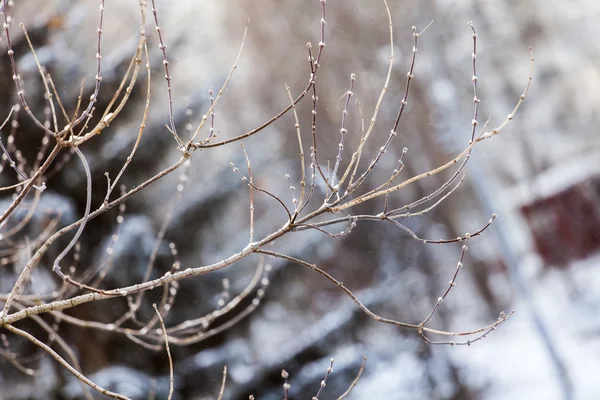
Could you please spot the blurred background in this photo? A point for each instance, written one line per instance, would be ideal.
(541, 175)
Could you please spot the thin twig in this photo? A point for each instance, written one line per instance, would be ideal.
(252, 185)
(216, 100)
(324, 381)
(140, 131)
(222, 391)
(301, 148)
(286, 385)
(343, 131)
(164, 329)
(163, 48)
(44, 79)
(251, 190)
(355, 381)
(64, 363)
(88, 202)
(12, 163)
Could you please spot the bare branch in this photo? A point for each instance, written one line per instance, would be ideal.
(164, 329)
(64, 363)
(222, 391)
(355, 381)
